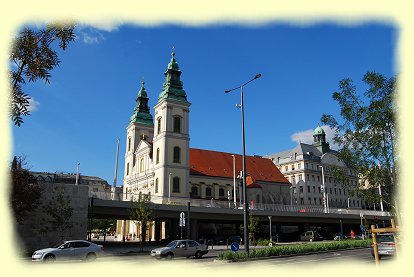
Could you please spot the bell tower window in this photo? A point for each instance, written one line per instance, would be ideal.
(158, 125)
(176, 157)
(177, 124)
(176, 185)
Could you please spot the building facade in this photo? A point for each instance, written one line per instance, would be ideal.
(304, 166)
(159, 161)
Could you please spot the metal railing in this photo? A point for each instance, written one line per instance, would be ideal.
(182, 201)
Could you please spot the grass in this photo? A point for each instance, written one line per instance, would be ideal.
(283, 250)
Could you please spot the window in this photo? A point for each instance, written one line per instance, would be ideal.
(306, 165)
(307, 177)
(301, 201)
(313, 177)
(158, 125)
(192, 243)
(300, 189)
(176, 185)
(194, 191)
(257, 198)
(300, 177)
(308, 189)
(176, 158)
(319, 189)
(127, 169)
(320, 201)
(129, 144)
(314, 189)
(293, 167)
(157, 156)
(299, 165)
(208, 192)
(156, 185)
(340, 192)
(335, 191)
(319, 179)
(177, 124)
(330, 190)
(314, 200)
(286, 168)
(312, 166)
(141, 165)
(221, 192)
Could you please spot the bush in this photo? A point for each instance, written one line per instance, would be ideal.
(294, 249)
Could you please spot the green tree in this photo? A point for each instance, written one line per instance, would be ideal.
(58, 212)
(367, 136)
(33, 58)
(141, 214)
(26, 193)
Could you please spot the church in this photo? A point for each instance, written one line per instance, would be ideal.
(159, 161)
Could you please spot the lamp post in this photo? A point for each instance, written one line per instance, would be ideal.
(77, 174)
(234, 182)
(270, 219)
(169, 187)
(380, 194)
(323, 191)
(245, 202)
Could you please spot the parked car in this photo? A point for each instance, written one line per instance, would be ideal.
(386, 245)
(180, 248)
(69, 250)
(232, 239)
(310, 236)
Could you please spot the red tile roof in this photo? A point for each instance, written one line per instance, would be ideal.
(220, 164)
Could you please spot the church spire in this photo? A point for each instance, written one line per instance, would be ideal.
(173, 87)
(142, 112)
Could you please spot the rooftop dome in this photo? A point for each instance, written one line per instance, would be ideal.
(319, 131)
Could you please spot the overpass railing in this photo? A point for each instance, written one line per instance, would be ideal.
(225, 204)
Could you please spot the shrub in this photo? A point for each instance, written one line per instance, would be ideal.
(294, 249)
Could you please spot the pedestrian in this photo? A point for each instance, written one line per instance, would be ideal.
(352, 234)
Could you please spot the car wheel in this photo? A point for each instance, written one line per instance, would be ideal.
(90, 257)
(169, 256)
(198, 255)
(49, 258)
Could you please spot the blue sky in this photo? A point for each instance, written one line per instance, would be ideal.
(87, 106)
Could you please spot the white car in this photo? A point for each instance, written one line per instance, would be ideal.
(69, 250)
(180, 248)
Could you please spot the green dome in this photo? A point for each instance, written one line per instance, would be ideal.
(319, 131)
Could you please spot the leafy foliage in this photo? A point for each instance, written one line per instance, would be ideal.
(141, 213)
(367, 136)
(59, 212)
(26, 193)
(283, 250)
(33, 56)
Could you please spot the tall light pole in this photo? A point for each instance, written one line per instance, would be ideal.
(234, 182)
(270, 219)
(169, 187)
(77, 174)
(323, 189)
(245, 202)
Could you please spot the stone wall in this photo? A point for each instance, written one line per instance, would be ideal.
(35, 233)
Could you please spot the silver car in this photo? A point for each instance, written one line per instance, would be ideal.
(386, 245)
(180, 248)
(69, 250)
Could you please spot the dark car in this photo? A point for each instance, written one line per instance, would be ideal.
(232, 239)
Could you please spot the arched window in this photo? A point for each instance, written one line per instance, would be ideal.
(158, 125)
(127, 169)
(156, 185)
(208, 192)
(141, 165)
(157, 156)
(221, 192)
(129, 144)
(176, 185)
(257, 198)
(194, 191)
(177, 124)
(177, 152)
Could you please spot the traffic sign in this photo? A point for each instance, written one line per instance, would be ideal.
(182, 219)
(362, 228)
(235, 247)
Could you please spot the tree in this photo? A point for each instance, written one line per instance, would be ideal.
(367, 136)
(33, 58)
(59, 212)
(141, 213)
(26, 193)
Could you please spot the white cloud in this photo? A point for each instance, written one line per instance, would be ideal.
(33, 104)
(94, 33)
(307, 136)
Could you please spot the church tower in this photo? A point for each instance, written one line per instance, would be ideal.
(171, 137)
(141, 126)
(319, 140)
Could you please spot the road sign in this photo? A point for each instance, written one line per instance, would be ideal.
(182, 219)
(362, 228)
(235, 247)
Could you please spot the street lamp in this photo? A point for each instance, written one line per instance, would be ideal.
(270, 219)
(234, 182)
(169, 187)
(245, 203)
(323, 189)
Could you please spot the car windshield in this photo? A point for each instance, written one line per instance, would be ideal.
(385, 239)
(173, 243)
(59, 244)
